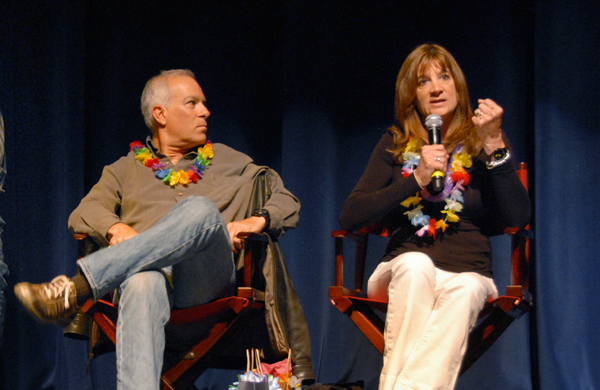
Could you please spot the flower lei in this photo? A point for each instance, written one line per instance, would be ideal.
(143, 155)
(454, 183)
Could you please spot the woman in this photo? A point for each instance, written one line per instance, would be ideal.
(436, 271)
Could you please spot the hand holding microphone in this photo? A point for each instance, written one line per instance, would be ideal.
(433, 123)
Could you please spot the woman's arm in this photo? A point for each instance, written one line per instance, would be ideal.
(511, 197)
(379, 191)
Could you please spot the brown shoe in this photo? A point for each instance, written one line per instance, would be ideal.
(54, 302)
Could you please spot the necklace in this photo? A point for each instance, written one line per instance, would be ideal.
(197, 167)
(454, 184)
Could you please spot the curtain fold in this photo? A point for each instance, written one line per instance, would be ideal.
(567, 138)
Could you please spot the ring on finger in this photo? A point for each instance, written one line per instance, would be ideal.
(478, 113)
(438, 159)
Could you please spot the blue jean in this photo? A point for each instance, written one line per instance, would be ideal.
(194, 240)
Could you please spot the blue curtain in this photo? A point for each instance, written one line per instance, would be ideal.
(307, 88)
(566, 142)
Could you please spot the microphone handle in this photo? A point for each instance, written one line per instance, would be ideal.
(437, 182)
(437, 177)
(434, 135)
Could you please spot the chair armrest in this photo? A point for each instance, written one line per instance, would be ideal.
(253, 236)
(520, 238)
(523, 232)
(347, 234)
(361, 240)
(253, 252)
(85, 244)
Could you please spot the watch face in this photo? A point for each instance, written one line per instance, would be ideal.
(499, 154)
(260, 213)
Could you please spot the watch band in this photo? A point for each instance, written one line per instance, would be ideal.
(265, 214)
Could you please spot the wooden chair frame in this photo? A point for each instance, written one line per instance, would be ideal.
(496, 316)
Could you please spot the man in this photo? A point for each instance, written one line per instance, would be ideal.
(170, 212)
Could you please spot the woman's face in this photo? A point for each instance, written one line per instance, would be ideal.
(436, 93)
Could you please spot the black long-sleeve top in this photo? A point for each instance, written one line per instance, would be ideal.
(494, 199)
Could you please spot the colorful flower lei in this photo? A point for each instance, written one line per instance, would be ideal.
(454, 183)
(143, 155)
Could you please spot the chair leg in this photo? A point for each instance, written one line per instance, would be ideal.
(185, 373)
(365, 319)
(484, 335)
(190, 387)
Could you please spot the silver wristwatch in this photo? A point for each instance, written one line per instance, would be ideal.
(498, 157)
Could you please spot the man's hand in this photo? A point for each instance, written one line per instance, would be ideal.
(248, 225)
(120, 232)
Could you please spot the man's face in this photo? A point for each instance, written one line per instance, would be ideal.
(186, 113)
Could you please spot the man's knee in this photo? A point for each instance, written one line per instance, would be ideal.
(200, 208)
(147, 286)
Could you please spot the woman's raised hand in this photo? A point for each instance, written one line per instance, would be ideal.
(487, 121)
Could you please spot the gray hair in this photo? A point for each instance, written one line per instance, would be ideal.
(156, 92)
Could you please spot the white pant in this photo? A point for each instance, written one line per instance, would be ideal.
(430, 314)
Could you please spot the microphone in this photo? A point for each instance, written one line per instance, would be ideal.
(433, 123)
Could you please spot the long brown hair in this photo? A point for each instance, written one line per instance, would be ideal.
(409, 121)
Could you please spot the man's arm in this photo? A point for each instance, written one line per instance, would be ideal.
(283, 208)
(97, 212)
